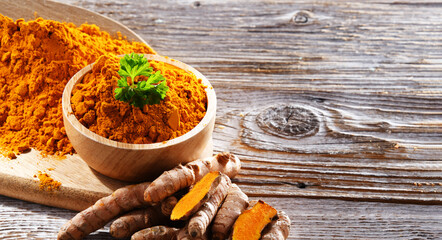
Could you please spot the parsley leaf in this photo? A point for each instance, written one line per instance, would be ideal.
(139, 93)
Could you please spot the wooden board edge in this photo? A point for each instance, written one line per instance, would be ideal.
(64, 197)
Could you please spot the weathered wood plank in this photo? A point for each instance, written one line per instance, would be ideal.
(311, 219)
(369, 71)
(341, 41)
(369, 139)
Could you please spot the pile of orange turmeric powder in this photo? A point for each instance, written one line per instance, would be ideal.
(37, 59)
(94, 104)
(47, 182)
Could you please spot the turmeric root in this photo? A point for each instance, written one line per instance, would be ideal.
(278, 229)
(134, 221)
(199, 222)
(104, 210)
(183, 234)
(196, 197)
(168, 204)
(251, 222)
(236, 201)
(156, 233)
(184, 176)
(168, 183)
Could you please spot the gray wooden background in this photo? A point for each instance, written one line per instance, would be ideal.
(334, 108)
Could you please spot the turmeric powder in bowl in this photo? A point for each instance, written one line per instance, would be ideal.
(136, 142)
(94, 105)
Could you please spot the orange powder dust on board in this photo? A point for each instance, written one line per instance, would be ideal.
(37, 59)
(47, 182)
(95, 106)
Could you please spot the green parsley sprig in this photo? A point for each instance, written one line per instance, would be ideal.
(139, 93)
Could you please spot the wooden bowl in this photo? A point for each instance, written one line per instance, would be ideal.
(139, 162)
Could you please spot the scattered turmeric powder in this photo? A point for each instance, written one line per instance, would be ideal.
(94, 104)
(47, 182)
(11, 155)
(37, 59)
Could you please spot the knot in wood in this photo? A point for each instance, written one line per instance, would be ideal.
(301, 17)
(288, 121)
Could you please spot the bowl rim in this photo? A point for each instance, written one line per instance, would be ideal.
(210, 111)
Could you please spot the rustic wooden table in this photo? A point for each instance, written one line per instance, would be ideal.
(334, 107)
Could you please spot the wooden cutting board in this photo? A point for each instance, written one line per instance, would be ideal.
(81, 186)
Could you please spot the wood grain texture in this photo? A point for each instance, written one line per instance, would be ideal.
(310, 219)
(369, 73)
